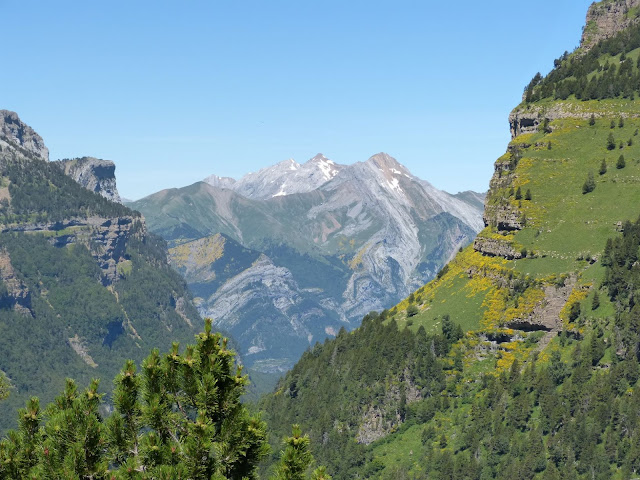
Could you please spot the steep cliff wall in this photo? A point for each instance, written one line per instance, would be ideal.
(93, 174)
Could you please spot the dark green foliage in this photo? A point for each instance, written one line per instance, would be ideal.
(621, 122)
(442, 271)
(592, 120)
(180, 417)
(603, 167)
(527, 195)
(518, 194)
(595, 303)
(611, 142)
(589, 184)
(612, 125)
(68, 300)
(40, 191)
(621, 162)
(584, 77)
(412, 311)
(334, 383)
(296, 459)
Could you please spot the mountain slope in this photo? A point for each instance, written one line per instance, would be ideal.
(336, 242)
(532, 331)
(83, 285)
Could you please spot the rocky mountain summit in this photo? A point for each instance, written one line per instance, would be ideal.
(305, 249)
(13, 130)
(93, 174)
(607, 18)
(285, 178)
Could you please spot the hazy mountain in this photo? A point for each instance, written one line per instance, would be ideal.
(335, 242)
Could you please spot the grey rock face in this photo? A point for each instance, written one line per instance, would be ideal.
(496, 248)
(605, 19)
(13, 292)
(105, 237)
(220, 182)
(339, 242)
(14, 130)
(93, 174)
(285, 178)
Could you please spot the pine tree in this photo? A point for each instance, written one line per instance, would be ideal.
(296, 459)
(180, 417)
(592, 120)
(603, 167)
(611, 142)
(589, 184)
(621, 122)
(527, 195)
(620, 163)
(518, 194)
(595, 303)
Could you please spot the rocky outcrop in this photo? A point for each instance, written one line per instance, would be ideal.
(607, 18)
(106, 238)
(378, 421)
(13, 292)
(496, 248)
(527, 119)
(546, 314)
(15, 131)
(504, 217)
(93, 174)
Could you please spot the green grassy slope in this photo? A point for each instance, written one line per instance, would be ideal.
(542, 381)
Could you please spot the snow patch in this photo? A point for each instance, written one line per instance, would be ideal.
(326, 167)
(394, 184)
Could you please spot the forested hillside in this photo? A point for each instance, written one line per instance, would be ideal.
(538, 377)
(83, 285)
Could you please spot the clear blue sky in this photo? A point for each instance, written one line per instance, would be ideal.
(173, 91)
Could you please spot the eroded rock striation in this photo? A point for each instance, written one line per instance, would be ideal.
(605, 19)
(93, 174)
(21, 134)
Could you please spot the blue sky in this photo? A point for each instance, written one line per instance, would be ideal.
(173, 91)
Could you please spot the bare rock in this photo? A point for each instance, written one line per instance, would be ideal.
(18, 132)
(93, 174)
(546, 314)
(607, 18)
(496, 248)
(13, 291)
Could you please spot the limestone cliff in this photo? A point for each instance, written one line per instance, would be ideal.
(605, 19)
(14, 130)
(93, 174)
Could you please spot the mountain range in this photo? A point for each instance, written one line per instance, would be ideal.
(289, 255)
(520, 360)
(83, 284)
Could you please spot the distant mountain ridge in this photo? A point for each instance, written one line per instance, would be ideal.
(328, 242)
(83, 284)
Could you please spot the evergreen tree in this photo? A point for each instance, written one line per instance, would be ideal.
(595, 303)
(621, 122)
(612, 125)
(603, 167)
(589, 184)
(592, 120)
(620, 163)
(181, 417)
(611, 142)
(518, 193)
(527, 195)
(296, 459)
